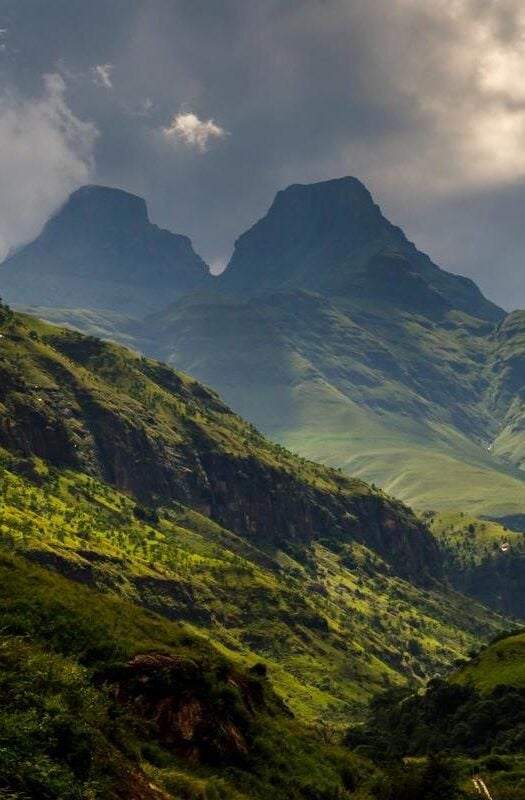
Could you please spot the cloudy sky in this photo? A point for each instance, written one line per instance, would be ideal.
(207, 107)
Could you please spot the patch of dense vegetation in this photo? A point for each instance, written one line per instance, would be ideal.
(476, 717)
(100, 699)
(434, 779)
(449, 716)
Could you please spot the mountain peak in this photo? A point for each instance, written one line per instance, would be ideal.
(332, 238)
(100, 250)
(93, 209)
(308, 229)
(347, 187)
(93, 196)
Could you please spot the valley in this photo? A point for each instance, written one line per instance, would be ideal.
(211, 596)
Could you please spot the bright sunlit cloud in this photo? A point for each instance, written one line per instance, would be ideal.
(187, 128)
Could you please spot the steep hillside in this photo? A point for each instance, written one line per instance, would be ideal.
(121, 473)
(483, 559)
(476, 716)
(77, 402)
(104, 701)
(101, 251)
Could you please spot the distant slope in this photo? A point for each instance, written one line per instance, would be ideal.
(390, 396)
(119, 472)
(101, 251)
(507, 395)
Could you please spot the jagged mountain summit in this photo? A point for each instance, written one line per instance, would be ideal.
(331, 238)
(100, 250)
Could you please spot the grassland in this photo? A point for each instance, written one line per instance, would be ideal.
(501, 664)
(407, 402)
(332, 627)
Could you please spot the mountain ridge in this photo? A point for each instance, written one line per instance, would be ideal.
(380, 370)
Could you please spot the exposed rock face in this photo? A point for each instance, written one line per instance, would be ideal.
(101, 251)
(32, 427)
(198, 713)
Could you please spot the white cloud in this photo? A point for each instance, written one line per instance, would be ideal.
(457, 67)
(101, 75)
(186, 127)
(45, 153)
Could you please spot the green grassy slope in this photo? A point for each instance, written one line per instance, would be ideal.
(390, 396)
(77, 402)
(102, 700)
(332, 625)
(119, 472)
(500, 664)
(507, 393)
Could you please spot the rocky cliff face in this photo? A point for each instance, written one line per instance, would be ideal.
(199, 711)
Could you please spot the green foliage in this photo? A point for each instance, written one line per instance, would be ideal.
(503, 662)
(67, 734)
(299, 567)
(435, 779)
(52, 725)
(328, 630)
(448, 717)
(477, 716)
(483, 559)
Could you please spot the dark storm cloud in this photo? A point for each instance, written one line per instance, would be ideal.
(423, 101)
